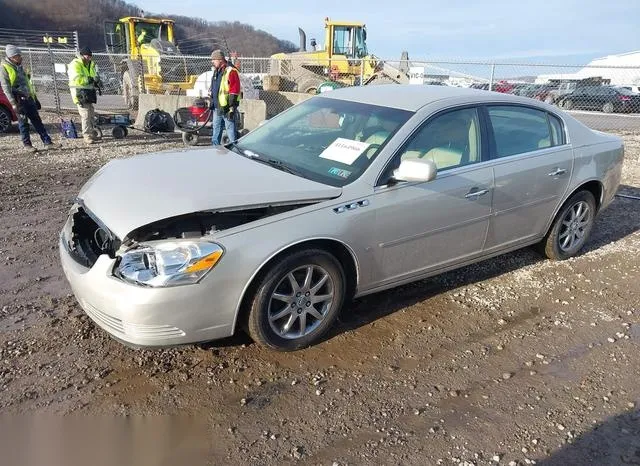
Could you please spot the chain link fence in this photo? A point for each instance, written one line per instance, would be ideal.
(606, 97)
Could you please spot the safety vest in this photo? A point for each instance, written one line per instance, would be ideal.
(79, 75)
(223, 93)
(13, 77)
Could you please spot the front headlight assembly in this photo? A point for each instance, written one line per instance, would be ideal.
(170, 263)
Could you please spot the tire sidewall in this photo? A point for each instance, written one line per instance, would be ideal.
(259, 327)
(7, 114)
(552, 246)
(190, 139)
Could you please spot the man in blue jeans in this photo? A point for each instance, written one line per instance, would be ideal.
(225, 98)
(18, 88)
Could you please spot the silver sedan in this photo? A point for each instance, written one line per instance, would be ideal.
(346, 194)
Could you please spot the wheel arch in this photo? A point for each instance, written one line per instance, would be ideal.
(595, 187)
(9, 112)
(340, 250)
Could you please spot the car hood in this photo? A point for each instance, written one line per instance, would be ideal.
(130, 193)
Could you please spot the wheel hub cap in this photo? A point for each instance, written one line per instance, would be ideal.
(300, 301)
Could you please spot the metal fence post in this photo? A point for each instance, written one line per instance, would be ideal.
(56, 93)
(493, 72)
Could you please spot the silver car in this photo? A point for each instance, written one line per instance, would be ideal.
(346, 194)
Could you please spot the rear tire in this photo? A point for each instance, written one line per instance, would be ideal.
(119, 132)
(571, 227)
(297, 300)
(567, 104)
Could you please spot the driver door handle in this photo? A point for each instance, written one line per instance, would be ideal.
(476, 194)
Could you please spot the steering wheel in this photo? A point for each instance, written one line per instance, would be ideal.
(371, 150)
(363, 159)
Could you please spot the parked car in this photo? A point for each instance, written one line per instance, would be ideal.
(608, 99)
(7, 115)
(553, 96)
(541, 92)
(518, 88)
(346, 194)
(503, 87)
(524, 89)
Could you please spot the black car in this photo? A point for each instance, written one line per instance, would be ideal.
(608, 99)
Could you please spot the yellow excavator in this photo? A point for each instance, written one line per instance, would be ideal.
(344, 59)
(144, 53)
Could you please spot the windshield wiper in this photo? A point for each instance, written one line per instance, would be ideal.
(271, 162)
(279, 165)
(234, 147)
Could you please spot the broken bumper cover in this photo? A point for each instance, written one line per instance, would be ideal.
(145, 316)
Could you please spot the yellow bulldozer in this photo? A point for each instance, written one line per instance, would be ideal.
(343, 59)
(144, 53)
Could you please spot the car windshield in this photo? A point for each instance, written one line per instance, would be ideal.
(327, 140)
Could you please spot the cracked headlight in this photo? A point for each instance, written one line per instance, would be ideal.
(168, 263)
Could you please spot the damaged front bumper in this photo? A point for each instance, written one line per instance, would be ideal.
(137, 315)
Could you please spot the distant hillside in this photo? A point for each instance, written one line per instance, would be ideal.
(194, 35)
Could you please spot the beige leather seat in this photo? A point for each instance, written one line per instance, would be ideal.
(444, 157)
(379, 137)
(544, 143)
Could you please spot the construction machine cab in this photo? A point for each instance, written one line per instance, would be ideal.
(346, 38)
(138, 36)
(143, 51)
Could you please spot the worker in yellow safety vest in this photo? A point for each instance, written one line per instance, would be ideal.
(21, 94)
(84, 81)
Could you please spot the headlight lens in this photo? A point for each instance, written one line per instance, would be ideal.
(169, 263)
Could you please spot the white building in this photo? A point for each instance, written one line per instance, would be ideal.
(622, 69)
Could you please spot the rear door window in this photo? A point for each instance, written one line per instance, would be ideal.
(517, 130)
(557, 131)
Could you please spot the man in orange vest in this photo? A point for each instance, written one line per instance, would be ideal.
(225, 97)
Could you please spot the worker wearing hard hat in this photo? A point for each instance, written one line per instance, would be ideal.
(225, 97)
(19, 90)
(83, 83)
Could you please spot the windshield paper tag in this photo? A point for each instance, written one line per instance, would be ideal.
(339, 172)
(344, 150)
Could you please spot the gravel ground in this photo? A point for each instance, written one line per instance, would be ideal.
(512, 361)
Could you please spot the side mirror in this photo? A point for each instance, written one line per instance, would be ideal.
(415, 170)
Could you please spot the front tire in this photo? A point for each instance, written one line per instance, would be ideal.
(571, 227)
(5, 120)
(608, 107)
(297, 300)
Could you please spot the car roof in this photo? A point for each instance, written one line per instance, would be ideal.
(412, 97)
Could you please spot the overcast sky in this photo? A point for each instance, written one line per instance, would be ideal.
(556, 31)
